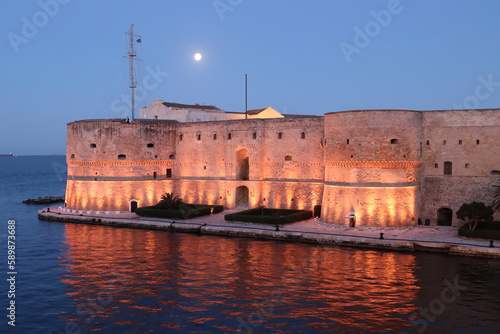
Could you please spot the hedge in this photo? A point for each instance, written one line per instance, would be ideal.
(185, 211)
(484, 230)
(269, 216)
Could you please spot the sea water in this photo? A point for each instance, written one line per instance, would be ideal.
(76, 278)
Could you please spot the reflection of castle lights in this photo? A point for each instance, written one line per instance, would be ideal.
(145, 266)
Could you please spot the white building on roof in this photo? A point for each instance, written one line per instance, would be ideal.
(186, 113)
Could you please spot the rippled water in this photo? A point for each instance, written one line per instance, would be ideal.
(81, 278)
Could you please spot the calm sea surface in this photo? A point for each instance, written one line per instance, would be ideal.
(81, 279)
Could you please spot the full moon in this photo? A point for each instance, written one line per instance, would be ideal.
(197, 56)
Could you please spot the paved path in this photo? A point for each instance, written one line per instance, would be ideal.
(430, 238)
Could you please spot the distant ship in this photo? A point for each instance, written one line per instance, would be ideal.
(6, 155)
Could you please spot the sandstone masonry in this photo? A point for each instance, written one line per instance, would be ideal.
(380, 168)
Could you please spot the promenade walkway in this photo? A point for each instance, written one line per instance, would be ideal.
(419, 238)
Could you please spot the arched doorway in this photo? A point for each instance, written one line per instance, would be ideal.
(242, 165)
(444, 217)
(133, 206)
(241, 201)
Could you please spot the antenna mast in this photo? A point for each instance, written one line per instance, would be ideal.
(131, 55)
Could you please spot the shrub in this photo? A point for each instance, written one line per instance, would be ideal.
(269, 216)
(184, 211)
(474, 213)
(484, 230)
(169, 201)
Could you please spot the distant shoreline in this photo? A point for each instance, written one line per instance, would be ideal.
(34, 155)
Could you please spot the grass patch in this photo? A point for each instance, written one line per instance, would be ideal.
(484, 230)
(269, 216)
(185, 211)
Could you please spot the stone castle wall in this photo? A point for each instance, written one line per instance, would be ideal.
(371, 167)
(385, 168)
(470, 141)
(112, 163)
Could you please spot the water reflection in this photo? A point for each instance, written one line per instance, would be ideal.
(133, 281)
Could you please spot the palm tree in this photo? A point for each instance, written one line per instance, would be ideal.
(169, 202)
(496, 199)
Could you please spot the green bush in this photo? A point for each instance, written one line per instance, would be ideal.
(484, 230)
(185, 211)
(269, 216)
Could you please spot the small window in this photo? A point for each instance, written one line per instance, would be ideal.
(347, 141)
(436, 166)
(448, 168)
(204, 167)
(156, 116)
(288, 158)
(477, 142)
(495, 173)
(214, 137)
(467, 165)
(198, 136)
(302, 135)
(92, 145)
(171, 156)
(460, 142)
(180, 137)
(229, 136)
(122, 157)
(280, 135)
(352, 156)
(155, 175)
(444, 142)
(394, 141)
(169, 172)
(254, 136)
(72, 156)
(151, 145)
(427, 142)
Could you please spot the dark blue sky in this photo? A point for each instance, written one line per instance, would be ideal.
(64, 62)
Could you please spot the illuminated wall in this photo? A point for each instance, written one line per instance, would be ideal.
(112, 163)
(385, 167)
(371, 167)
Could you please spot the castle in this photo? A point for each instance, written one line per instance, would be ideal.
(379, 168)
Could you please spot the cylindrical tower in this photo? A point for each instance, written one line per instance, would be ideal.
(372, 163)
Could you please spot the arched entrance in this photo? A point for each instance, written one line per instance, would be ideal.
(241, 201)
(242, 165)
(133, 206)
(444, 217)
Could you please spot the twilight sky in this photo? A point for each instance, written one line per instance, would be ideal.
(62, 60)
